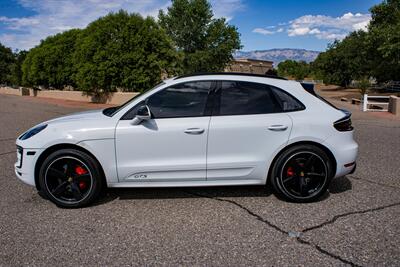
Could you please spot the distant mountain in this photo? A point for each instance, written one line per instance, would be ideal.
(278, 55)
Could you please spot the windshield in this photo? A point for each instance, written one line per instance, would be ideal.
(113, 110)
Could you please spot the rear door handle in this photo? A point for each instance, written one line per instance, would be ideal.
(194, 131)
(277, 128)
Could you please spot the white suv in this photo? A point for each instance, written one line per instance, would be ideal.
(200, 130)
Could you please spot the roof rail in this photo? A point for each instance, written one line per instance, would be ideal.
(231, 73)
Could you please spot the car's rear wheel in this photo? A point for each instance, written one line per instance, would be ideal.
(71, 178)
(302, 173)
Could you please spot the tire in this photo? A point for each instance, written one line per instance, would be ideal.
(302, 173)
(71, 178)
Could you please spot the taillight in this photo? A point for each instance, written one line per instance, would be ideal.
(344, 124)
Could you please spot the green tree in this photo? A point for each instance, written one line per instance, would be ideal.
(272, 72)
(361, 55)
(124, 51)
(6, 60)
(343, 61)
(383, 41)
(50, 63)
(292, 68)
(207, 43)
(363, 85)
(16, 68)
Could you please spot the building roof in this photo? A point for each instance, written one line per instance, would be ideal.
(252, 60)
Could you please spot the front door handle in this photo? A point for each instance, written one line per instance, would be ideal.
(194, 131)
(277, 128)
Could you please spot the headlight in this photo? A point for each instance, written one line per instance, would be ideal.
(32, 132)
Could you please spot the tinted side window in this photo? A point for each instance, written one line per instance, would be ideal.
(244, 98)
(286, 101)
(181, 100)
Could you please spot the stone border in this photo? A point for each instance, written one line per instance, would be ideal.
(13, 91)
(116, 98)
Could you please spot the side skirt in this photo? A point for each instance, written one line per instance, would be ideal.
(188, 183)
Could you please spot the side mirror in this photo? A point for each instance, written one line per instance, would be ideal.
(142, 114)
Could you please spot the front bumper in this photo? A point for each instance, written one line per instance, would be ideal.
(25, 167)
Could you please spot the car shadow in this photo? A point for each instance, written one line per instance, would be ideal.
(184, 192)
(337, 186)
(340, 185)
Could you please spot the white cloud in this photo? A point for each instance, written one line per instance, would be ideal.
(314, 31)
(320, 26)
(56, 16)
(361, 26)
(268, 30)
(263, 31)
(226, 8)
(327, 27)
(18, 23)
(298, 31)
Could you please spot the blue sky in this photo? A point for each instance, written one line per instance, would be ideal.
(263, 24)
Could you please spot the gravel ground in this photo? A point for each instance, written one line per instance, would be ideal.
(357, 223)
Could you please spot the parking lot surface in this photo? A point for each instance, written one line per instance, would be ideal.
(357, 223)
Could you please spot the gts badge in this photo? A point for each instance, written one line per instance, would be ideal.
(140, 176)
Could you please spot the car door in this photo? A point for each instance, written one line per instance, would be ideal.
(172, 145)
(246, 129)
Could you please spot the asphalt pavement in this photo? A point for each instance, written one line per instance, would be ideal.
(357, 223)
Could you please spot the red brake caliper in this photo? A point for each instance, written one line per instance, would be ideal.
(290, 171)
(79, 171)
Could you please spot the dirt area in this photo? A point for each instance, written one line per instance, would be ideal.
(337, 92)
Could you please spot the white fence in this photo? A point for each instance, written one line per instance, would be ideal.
(393, 86)
(370, 105)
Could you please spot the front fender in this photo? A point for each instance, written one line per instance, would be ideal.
(71, 132)
(104, 151)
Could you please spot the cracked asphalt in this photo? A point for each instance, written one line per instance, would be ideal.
(357, 223)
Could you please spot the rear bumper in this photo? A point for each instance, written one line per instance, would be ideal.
(345, 151)
(354, 169)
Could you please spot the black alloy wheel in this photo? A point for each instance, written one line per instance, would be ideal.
(70, 178)
(302, 173)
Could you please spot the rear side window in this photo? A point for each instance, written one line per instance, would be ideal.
(309, 87)
(286, 101)
(181, 100)
(245, 98)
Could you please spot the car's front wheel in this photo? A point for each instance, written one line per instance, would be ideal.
(302, 173)
(71, 178)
